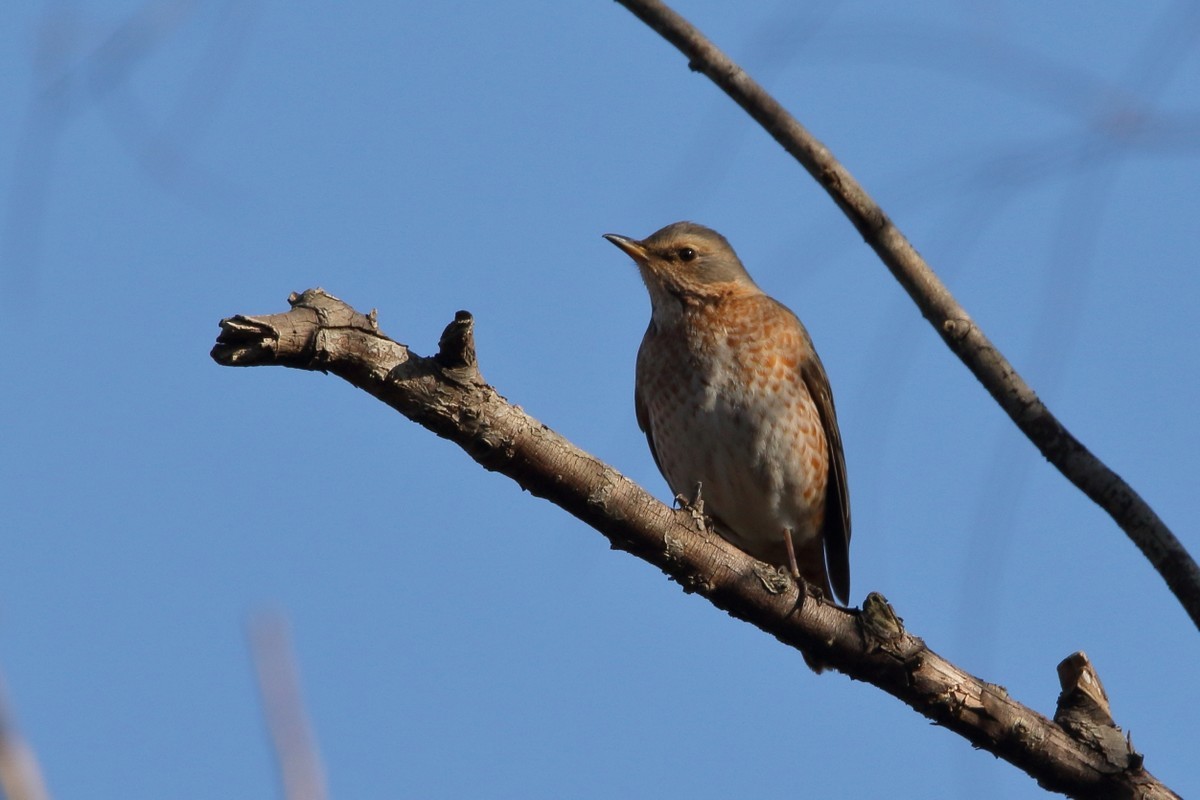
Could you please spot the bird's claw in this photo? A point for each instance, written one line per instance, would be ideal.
(694, 506)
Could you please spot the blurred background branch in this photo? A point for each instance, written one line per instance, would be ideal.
(20, 775)
(292, 738)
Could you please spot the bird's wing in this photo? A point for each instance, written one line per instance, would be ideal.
(643, 416)
(836, 528)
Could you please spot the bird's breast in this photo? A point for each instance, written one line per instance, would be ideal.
(725, 406)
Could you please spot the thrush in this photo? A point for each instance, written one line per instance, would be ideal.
(736, 407)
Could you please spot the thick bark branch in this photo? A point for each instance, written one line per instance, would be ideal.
(949, 319)
(447, 394)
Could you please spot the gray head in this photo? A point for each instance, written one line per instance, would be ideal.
(687, 260)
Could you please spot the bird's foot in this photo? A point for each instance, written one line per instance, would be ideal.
(793, 567)
(695, 507)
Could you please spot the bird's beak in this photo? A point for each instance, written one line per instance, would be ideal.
(632, 247)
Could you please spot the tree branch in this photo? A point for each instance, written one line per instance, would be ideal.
(949, 319)
(20, 774)
(447, 394)
(301, 773)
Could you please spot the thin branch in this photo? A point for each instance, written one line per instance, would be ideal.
(447, 394)
(949, 319)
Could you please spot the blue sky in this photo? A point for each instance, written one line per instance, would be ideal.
(167, 164)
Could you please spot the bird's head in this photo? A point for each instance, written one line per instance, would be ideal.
(686, 261)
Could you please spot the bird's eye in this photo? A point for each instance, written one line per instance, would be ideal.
(687, 254)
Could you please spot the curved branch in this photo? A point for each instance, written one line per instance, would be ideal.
(1133, 514)
(447, 394)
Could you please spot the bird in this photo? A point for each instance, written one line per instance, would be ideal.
(737, 408)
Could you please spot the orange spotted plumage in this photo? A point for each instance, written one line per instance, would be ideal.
(732, 397)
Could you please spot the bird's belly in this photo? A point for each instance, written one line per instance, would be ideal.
(758, 456)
